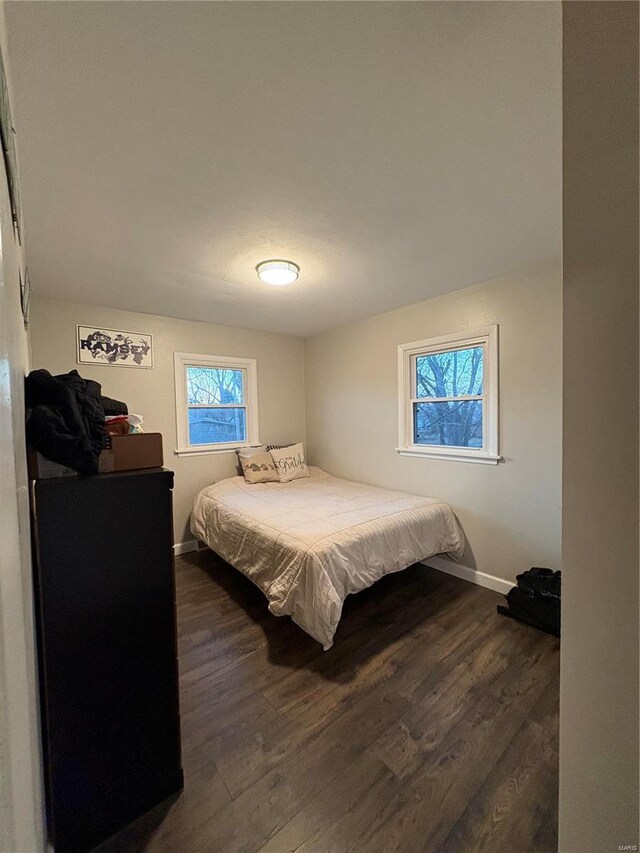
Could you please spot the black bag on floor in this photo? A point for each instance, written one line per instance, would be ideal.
(536, 600)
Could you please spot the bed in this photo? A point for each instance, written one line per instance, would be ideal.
(310, 543)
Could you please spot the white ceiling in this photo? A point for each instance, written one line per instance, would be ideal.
(394, 150)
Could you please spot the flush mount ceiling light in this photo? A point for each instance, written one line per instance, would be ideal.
(278, 272)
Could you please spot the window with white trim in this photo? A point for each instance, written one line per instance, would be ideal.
(448, 397)
(216, 403)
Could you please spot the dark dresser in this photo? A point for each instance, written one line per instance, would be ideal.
(105, 613)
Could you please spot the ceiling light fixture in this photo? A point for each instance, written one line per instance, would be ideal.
(278, 272)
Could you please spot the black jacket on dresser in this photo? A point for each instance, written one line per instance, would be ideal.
(66, 420)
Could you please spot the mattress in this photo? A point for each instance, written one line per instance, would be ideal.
(310, 543)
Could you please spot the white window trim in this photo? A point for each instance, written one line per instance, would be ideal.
(182, 360)
(487, 455)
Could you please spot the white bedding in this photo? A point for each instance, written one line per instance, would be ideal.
(309, 543)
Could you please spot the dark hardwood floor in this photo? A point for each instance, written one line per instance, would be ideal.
(431, 725)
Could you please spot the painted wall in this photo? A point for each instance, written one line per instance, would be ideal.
(510, 512)
(599, 670)
(21, 801)
(151, 392)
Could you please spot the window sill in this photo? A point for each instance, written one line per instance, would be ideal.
(208, 450)
(451, 455)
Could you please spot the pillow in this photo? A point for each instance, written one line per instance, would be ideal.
(290, 463)
(277, 446)
(251, 451)
(258, 468)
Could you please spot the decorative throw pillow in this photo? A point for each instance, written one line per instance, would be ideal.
(277, 446)
(258, 468)
(290, 463)
(251, 451)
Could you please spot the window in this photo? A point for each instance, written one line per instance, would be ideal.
(216, 403)
(448, 397)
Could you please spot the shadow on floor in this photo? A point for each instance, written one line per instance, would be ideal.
(135, 837)
(382, 614)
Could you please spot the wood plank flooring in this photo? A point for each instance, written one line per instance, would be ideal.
(431, 725)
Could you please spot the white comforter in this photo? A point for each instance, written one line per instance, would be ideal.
(309, 543)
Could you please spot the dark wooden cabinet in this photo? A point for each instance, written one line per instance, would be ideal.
(105, 611)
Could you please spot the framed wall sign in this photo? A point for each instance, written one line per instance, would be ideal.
(97, 345)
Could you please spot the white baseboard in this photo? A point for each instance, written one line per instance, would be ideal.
(185, 547)
(444, 564)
